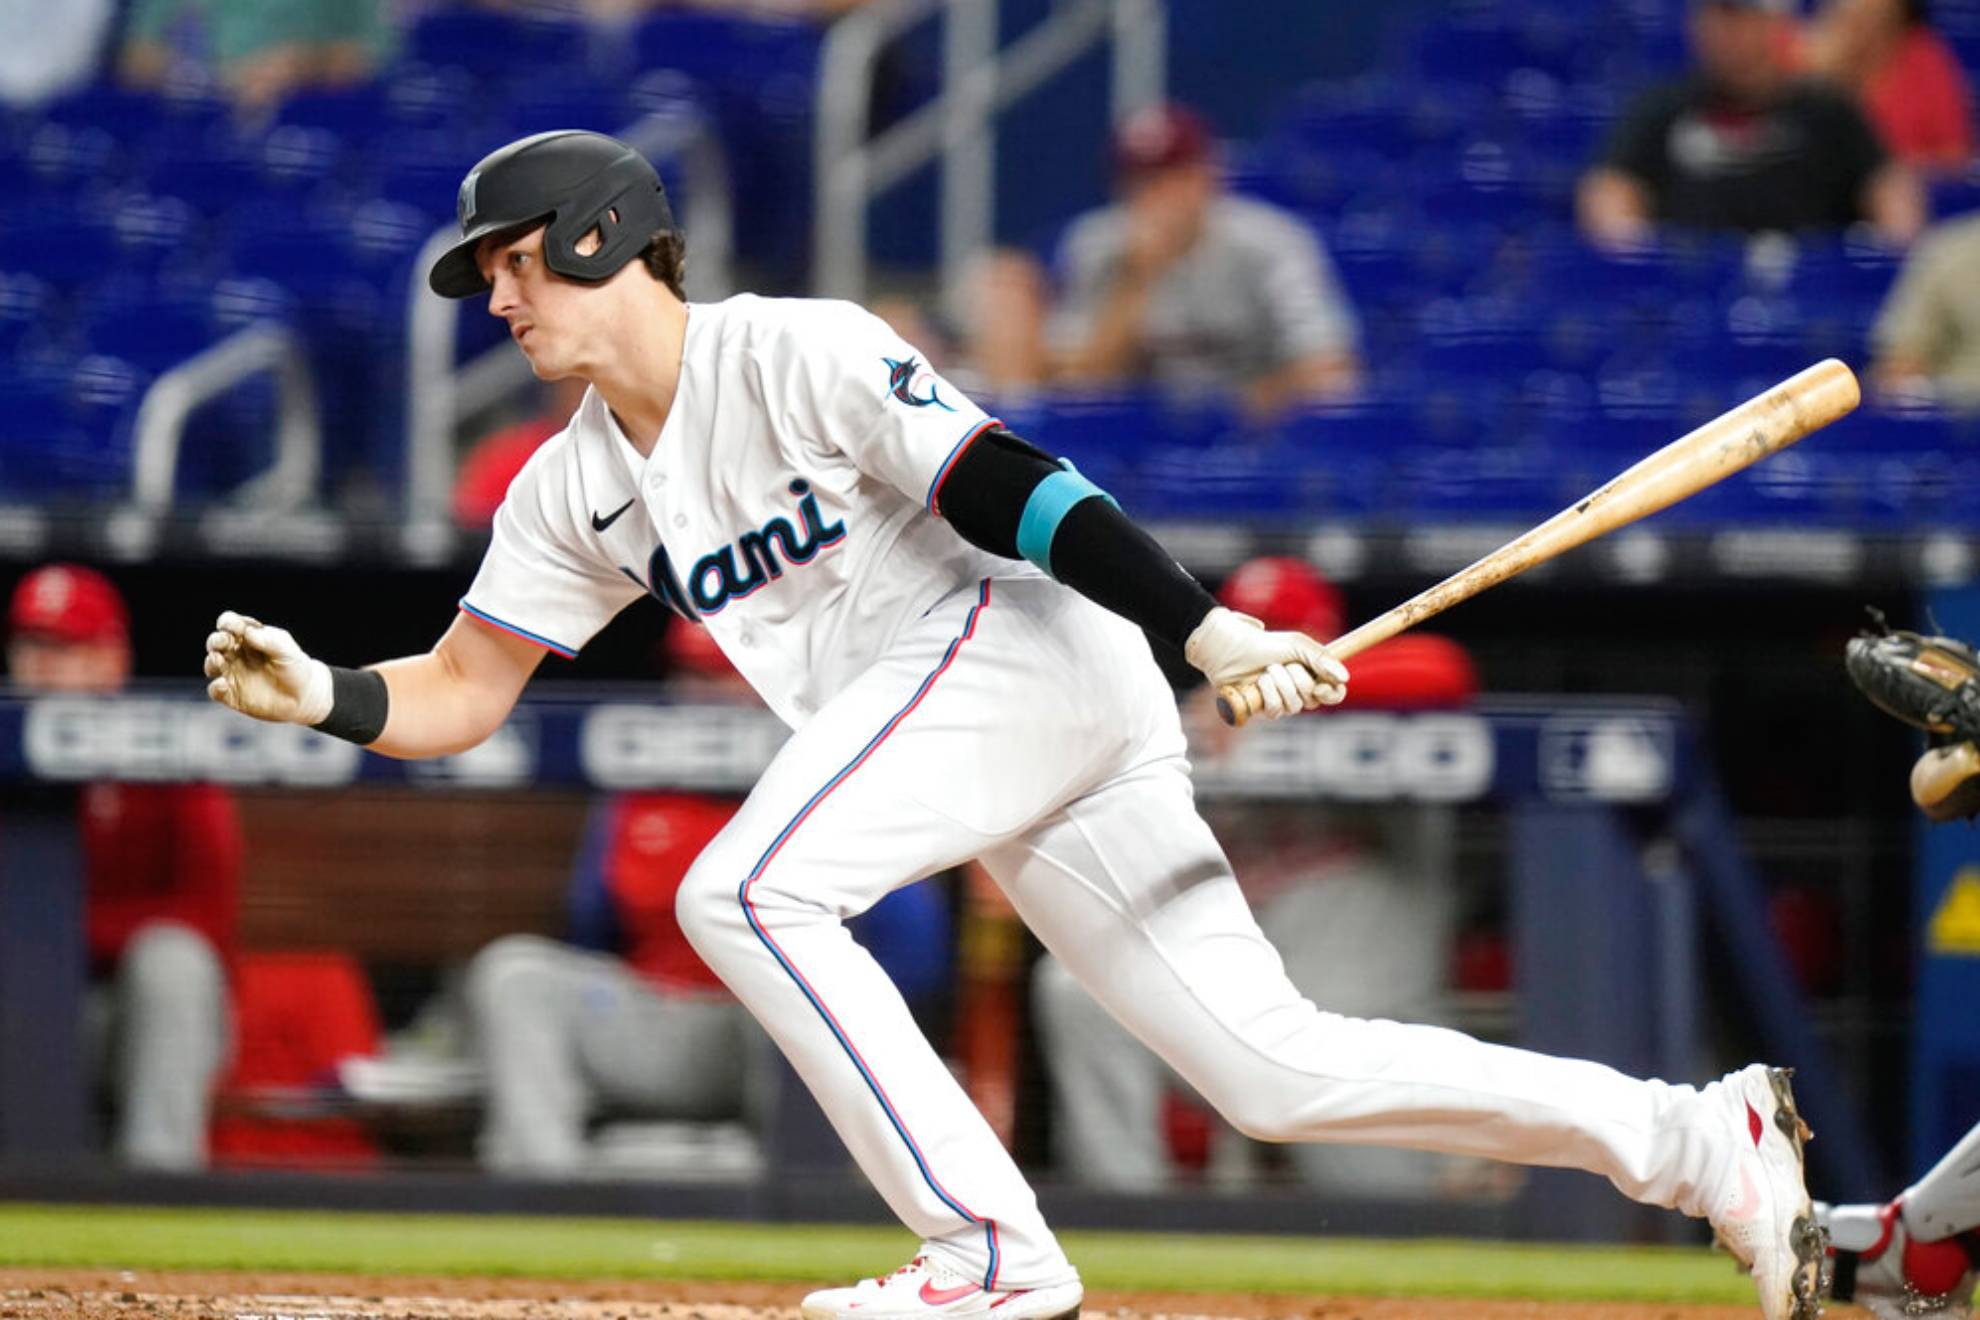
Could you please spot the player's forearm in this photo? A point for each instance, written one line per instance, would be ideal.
(435, 704)
(434, 710)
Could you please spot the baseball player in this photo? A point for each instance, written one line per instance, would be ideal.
(1919, 1253)
(953, 625)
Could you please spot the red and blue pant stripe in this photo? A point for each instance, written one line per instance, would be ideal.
(805, 987)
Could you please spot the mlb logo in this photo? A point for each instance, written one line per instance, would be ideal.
(1608, 758)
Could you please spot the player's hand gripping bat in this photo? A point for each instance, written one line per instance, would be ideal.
(1736, 439)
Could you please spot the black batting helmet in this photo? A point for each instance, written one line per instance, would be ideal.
(574, 180)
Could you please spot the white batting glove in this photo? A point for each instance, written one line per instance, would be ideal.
(260, 671)
(1288, 671)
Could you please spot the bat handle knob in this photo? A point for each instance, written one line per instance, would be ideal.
(1232, 706)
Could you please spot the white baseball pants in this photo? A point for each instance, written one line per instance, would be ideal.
(1018, 723)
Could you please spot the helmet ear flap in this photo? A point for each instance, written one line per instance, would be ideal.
(617, 244)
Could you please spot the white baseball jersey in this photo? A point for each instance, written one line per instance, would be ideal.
(787, 504)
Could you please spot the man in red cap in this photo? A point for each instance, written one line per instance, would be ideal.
(1180, 284)
(1359, 900)
(161, 876)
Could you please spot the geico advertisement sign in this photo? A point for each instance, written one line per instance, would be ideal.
(710, 747)
(1367, 756)
(135, 739)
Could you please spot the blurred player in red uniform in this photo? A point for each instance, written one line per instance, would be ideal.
(1357, 899)
(162, 871)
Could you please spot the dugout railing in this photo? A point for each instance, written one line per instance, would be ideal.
(1626, 895)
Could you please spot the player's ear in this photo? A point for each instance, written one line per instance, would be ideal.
(594, 238)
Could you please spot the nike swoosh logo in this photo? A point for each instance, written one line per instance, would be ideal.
(934, 1296)
(599, 524)
(1748, 1203)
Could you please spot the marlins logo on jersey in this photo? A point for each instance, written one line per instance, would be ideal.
(901, 377)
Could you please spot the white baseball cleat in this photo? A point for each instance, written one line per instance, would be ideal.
(925, 1288)
(1892, 1275)
(1767, 1221)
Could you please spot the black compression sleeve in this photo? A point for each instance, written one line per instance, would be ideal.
(1102, 555)
(983, 496)
(1096, 550)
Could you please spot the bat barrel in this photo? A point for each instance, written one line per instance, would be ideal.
(1736, 439)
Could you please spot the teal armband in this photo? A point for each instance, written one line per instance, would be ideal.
(1050, 501)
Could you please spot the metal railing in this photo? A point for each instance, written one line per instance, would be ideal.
(159, 432)
(979, 82)
(439, 393)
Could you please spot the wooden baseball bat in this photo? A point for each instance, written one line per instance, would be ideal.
(1736, 439)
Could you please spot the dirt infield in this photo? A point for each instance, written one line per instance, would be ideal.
(87, 1294)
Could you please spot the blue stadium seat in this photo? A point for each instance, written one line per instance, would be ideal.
(214, 173)
(430, 96)
(149, 326)
(359, 114)
(384, 237)
(44, 450)
(1453, 484)
(1099, 426)
(493, 42)
(1959, 195)
(66, 161)
(539, 104)
(106, 392)
(1458, 52)
(301, 163)
(1236, 480)
(240, 301)
(727, 51)
(62, 242)
(423, 170)
(24, 310)
(154, 231)
(138, 119)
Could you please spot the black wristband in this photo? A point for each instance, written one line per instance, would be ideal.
(358, 705)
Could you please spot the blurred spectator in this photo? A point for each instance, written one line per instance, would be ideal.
(1746, 144)
(161, 876)
(1903, 74)
(492, 464)
(628, 1022)
(1179, 283)
(1927, 336)
(1360, 901)
(260, 51)
(46, 50)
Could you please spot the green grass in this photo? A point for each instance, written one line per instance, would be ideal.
(129, 1238)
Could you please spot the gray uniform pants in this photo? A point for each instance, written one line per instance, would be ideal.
(158, 1034)
(566, 1033)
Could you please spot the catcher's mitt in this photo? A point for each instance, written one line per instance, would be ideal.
(1932, 683)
